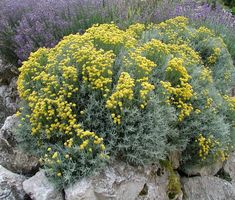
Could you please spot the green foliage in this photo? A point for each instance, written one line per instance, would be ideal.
(230, 3)
(144, 136)
(233, 10)
(224, 175)
(212, 126)
(174, 185)
(147, 136)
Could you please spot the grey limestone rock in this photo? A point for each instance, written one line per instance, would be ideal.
(207, 188)
(11, 185)
(39, 188)
(121, 182)
(8, 99)
(10, 157)
(229, 167)
(209, 170)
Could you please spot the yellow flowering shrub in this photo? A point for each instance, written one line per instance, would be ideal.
(207, 147)
(123, 93)
(182, 92)
(115, 92)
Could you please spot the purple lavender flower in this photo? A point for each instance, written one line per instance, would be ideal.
(26, 25)
(195, 10)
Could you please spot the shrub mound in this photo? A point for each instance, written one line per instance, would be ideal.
(134, 94)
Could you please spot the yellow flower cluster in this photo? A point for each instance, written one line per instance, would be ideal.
(231, 101)
(214, 56)
(197, 111)
(206, 145)
(206, 75)
(146, 88)
(184, 51)
(94, 65)
(142, 64)
(227, 75)
(89, 139)
(27, 71)
(182, 92)
(123, 94)
(204, 31)
(97, 71)
(222, 154)
(155, 47)
(48, 87)
(180, 21)
(110, 35)
(209, 102)
(135, 30)
(172, 28)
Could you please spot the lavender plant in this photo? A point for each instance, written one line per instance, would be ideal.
(10, 13)
(26, 25)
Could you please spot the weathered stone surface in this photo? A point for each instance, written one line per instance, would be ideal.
(174, 157)
(8, 99)
(7, 72)
(121, 182)
(3, 110)
(39, 188)
(207, 188)
(6, 132)
(8, 92)
(81, 190)
(229, 167)
(209, 170)
(11, 185)
(10, 157)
